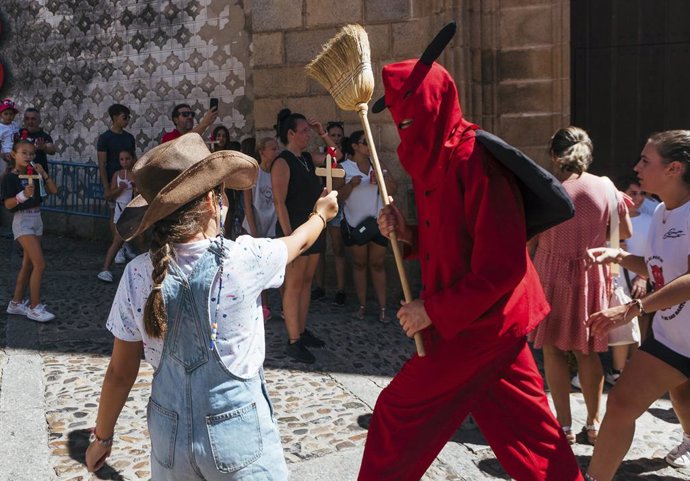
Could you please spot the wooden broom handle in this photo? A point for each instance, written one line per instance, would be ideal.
(362, 110)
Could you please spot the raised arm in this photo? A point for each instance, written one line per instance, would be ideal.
(306, 234)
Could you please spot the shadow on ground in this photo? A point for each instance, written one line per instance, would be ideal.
(77, 443)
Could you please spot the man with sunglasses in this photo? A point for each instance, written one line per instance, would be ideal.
(111, 143)
(183, 118)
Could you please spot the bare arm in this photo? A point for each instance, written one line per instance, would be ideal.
(280, 178)
(249, 211)
(206, 121)
(49, 183)
(626, 229)
(103, 173)
(673, 293)
(306, 234)
(606, 255)
(117, 384)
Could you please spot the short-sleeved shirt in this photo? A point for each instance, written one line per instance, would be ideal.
(41, 156)
(666, 256)
(172, 135)
(12, 185)
(7, 135)
(364, 200)
(251, 265)
(112, 144)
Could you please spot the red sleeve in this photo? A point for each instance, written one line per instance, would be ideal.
(168, 136)
(498, 259)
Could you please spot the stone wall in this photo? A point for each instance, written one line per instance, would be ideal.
(73, 59)
(510, 59)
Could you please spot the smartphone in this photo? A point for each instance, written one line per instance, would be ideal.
(213, 104)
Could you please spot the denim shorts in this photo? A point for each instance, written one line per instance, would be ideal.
(27, 222)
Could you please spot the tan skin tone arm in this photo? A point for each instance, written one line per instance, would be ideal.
(249, 211)
(673, 293)
(117, 384)
(103, 173)
(280, 178)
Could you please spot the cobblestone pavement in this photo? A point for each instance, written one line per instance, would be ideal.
(322, 410)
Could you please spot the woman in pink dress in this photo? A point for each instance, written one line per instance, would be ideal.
(574, 291)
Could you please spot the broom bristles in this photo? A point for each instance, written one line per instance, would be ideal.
(344, 68)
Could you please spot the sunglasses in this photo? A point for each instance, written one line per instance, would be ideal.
(187, 114)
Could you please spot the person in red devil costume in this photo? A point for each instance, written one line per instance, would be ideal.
(480, 297)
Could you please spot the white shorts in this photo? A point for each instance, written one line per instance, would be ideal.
(27, 222)
(117, 211)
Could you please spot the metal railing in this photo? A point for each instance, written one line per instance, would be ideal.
(80, 191)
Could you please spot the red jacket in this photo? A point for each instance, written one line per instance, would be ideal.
(477, 278)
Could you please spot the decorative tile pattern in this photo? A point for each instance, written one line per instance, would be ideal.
(73, 62)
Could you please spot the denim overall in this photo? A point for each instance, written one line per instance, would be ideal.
(204, 422)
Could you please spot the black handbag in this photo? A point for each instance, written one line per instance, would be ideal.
(364, 232)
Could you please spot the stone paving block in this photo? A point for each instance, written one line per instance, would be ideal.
(387, 10)
(267, 49)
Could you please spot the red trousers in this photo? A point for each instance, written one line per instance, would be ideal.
(499, 384)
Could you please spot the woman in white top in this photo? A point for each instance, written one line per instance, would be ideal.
(259, 211)
(662, 363)
(361, 200)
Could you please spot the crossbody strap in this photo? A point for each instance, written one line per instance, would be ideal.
(614, 222)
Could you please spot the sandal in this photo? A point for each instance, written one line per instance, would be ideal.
(359, 313)
(569, 435)
(383, 319)
(592, 431)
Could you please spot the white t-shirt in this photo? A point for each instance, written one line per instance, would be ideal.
(251, 266)
(637, 243)
(7, 133)
(667, 258)
(364, 200)
(265, 216)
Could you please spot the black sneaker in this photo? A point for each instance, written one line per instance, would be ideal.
(318, 293)
(310, 340)
(299, 352)
(339, 299)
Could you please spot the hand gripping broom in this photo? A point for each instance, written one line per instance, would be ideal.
(344, 69)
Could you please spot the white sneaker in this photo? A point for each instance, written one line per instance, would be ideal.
(575, 382)
(39, 313)
(679, 457)
(120, 256)
(18, 308)
(105, 276)
(129, 252)
(612, 376)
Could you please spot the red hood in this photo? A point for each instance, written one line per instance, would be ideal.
(427, 95)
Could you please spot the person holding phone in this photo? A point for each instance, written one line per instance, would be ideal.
(183, 118)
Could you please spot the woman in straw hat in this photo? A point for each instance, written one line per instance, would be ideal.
(191, 304)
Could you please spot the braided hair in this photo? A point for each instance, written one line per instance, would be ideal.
(181, 225)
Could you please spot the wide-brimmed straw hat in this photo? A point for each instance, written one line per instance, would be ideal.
(177, 172)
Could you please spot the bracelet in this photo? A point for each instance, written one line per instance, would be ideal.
(319, 214)
(103, 442)
(636, 302)
(21, 197)
(619, 256)
(324, 135)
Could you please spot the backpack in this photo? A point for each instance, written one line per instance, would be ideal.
(545, 201)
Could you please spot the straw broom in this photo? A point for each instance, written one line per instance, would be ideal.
(344, 69)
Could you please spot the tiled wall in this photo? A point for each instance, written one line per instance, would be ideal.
(74, 58)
